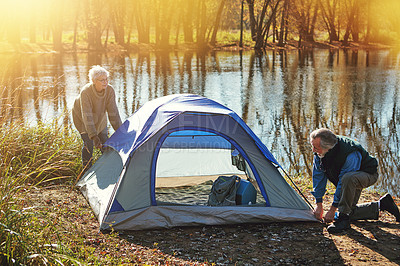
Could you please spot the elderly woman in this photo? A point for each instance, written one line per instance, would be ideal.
(89, 112)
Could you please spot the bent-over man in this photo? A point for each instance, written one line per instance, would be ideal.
(346, 164)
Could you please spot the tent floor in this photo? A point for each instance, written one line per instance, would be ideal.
(188, 190)
(184, 181)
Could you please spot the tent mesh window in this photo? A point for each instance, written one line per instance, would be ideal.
(190, 161)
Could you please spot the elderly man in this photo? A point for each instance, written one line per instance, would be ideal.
(350, 168)
(89, 112)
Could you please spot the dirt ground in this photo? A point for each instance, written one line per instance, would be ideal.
(308, 243)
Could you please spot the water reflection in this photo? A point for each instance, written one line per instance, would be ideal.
(282, 95)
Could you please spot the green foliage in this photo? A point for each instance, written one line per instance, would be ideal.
(233, 37)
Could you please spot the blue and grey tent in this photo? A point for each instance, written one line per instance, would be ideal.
(172, 146)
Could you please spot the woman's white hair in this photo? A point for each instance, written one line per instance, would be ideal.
(97, 71)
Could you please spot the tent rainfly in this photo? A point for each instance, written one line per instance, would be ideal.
(181, 141)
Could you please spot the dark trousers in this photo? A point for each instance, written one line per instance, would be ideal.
(87, 149)
(352, 185)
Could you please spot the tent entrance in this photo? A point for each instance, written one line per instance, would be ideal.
(187, 164)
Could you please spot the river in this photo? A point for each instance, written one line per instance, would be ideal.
(282, 96)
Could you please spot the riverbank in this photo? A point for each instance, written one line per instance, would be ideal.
(47, 47)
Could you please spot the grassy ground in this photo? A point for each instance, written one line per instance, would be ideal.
(368, 242)
(44, 219)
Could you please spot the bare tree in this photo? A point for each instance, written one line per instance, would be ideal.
(142, 21)
(117, 10)
(368, 26)
(187, 20)
(260, 26)
(352, 12)
(201, 24)
(217, 22)
(57, 10)
(284, 24)
(329, 10)
(164, 22)
(76, 19)
(95, 14)
(304, 14)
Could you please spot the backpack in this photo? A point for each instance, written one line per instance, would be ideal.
(223, 191)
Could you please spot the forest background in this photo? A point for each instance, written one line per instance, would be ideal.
(199, 24)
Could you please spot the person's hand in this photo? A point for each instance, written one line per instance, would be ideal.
(97, 142)
(319, 211)
(330, 215)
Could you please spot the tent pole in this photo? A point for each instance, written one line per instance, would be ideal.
(287, 175)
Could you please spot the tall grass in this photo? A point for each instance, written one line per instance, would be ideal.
(29, 157)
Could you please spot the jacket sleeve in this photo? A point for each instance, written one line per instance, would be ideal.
(87, 114)
(319, 180)
(112, 111)
(352, 164)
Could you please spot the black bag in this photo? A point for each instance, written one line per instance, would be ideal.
(238, 161)
(223, 191)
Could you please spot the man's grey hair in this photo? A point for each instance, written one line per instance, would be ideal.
(327, 137)
(97, 71)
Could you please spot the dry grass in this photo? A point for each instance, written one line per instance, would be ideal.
(31, 157)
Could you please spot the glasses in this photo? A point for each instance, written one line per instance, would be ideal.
(102, 80)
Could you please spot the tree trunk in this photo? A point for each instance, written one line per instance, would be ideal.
(253, 21)
(355, 29)
(93, 25)
(188, 6)
(350, 23)
(260, 26)
(117, 17)
(217, 22)
(241, 25)
(283, 25)
(57, 24)
(328, 13)
(202, 27)
(367, 35)
(275, 34)
(142, 23)
(130, 24)
(163, 26)
(75, 25)
(313, 22)
(269, 21)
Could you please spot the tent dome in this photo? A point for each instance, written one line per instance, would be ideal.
(177, 140)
